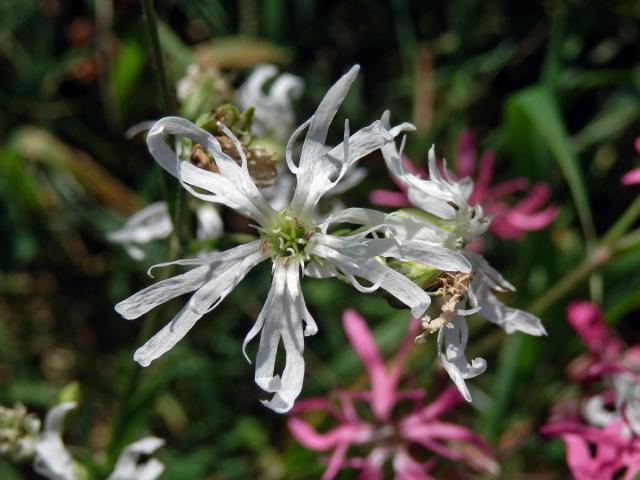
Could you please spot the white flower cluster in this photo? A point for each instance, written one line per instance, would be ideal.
(299, 242)
(21, 439)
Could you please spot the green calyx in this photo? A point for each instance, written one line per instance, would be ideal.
(238, 122)
(287, 236)
(422, 275)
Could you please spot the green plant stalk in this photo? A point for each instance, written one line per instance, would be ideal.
(623, 223)
(149, 15)
(120, 432)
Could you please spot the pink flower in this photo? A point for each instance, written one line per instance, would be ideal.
(603, 440)
(612, 451)
(388, 434)
(632, 177)
(510, 222)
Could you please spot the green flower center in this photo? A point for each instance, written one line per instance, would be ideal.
(287, 236)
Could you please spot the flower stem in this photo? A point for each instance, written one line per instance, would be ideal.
(149, 15)
(123, 428)
(623, 223)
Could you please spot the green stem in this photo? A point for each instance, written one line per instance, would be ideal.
(623, 223)
(177, 240)
(149, 15)
(120, 432)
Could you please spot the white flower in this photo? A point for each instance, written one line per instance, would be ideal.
(273, 115)
(153, 222)
(53, 461)
(446, 201)
(290, 238)
(128, 466)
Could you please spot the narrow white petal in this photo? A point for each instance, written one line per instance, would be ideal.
(365, 141)
(314, 142)
(315, 169)
(163, 291)
(386, 278)
(455, 337)
(209, 295)
(55, 417)
(510, 319)
(139, 128)
(436, 256)
(281, 320)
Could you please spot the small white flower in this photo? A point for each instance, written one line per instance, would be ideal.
(290, 238)
(153, 222)
(273, 115)
(454, 223)
(51, 459)
(129, 467)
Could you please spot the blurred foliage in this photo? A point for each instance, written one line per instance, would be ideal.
(552, 86)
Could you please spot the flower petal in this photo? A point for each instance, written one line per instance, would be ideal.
(382, 383)
(163, 291)
(220, 282)
(510, 319)
(455, 339)
(379, 275)
(281, 319)
(315, 168)
(232, 186)
(150, 223)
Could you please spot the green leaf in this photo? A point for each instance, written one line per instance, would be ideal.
(127, 67)
(533, 115)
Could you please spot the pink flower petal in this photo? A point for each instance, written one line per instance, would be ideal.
(382, 385)
(466, 155)
(389, 198)
(632, 177)
(443, 403)
(406, 468)
(313, 440)
(586, 319)
(536, 198)
(483, 180)
(336, 461)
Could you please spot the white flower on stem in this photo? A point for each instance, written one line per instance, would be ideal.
(129, 467)
(53, 461)
(291, 239)
(445, 200)
(51, 458)
(153, 222)
(273, 115)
